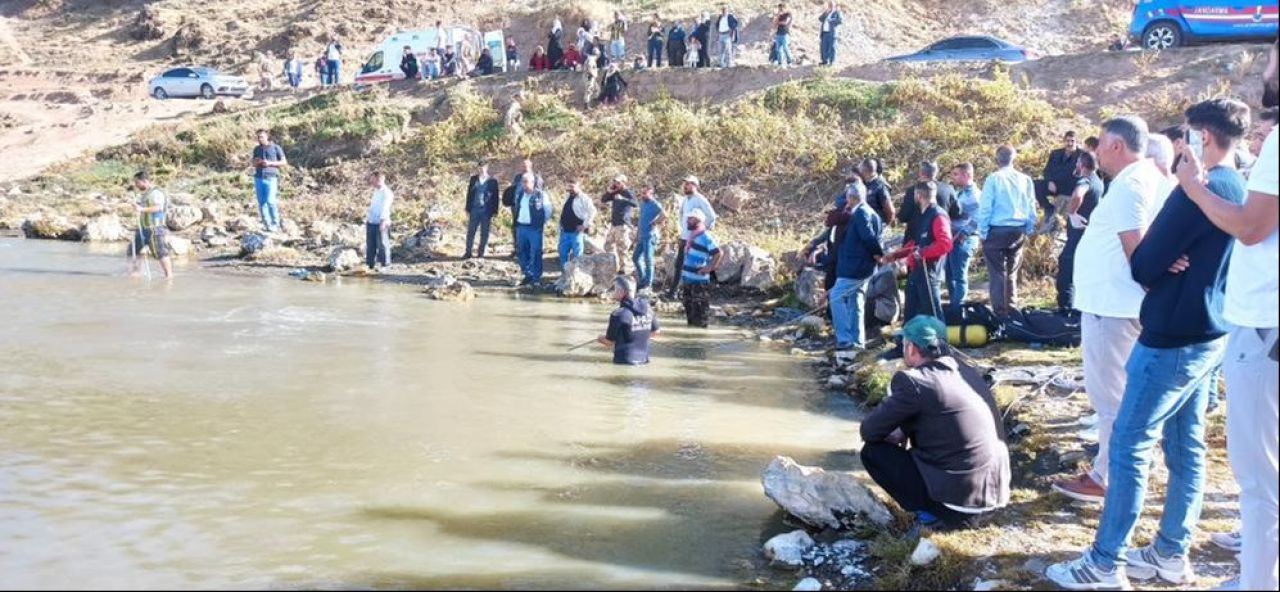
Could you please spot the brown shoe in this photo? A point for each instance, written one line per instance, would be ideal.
(1081, 487)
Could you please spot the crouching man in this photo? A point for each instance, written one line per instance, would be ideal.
(631, 326)
(936, 444)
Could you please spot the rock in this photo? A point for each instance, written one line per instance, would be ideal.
(315, 276)
(926, 552)
(183, 217)
(241, 224)
(220, 107)
(837, 381)
(1035, 566)
(733, 198)
(812, 326)
(343, 259)
(735, 256)
(808, 585)
(179, 247)
(210, 213)
(51, 228)
(104, 228)
(981, 585)
(666, 262)
(820, 498)
(788, 549)
(809, 288)
(253, 243)
(290, 228)
(758, 270)
(425, 244)
(588, 275)
(458, 291)
(147, 25)
(592, 245)
(190, 37)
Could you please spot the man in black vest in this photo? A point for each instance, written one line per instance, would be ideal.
(509, 199)
(957, 464)
(928, 240)
(945, 198)
(1060, 180)
(482, 206)
(631, 326)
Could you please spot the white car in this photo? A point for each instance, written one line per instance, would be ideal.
(196, 81)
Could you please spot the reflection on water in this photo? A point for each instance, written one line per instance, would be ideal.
(237, 432)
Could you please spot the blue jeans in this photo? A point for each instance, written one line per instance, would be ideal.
(642, 257)
(529, 251)
(332, 68)
(726, 50)
(848, 301)
(268, 191)
(784, 49)
(655, 53)
(432, 71)
(958, 270)
(828, 48)
(570, 247)
(1165, 397)
(295, 80)
(618, 49)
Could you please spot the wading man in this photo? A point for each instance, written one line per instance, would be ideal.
(701, 257)
(152, 235)
(630, 326)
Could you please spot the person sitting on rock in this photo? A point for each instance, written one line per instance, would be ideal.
(936, 445)
(630, 326)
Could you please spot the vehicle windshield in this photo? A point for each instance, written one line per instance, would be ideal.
(374, 64)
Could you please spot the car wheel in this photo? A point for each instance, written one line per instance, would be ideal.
(1162, 35)
(159, 93)
(206, 91)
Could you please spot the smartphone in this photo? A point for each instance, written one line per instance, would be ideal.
(1195, 139)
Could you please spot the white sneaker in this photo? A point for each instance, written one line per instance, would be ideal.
(1227, 540)
(1146, 563)
(1082, 574)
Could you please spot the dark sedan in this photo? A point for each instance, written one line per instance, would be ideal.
(980, 49)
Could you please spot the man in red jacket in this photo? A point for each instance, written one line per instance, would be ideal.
(927, 242)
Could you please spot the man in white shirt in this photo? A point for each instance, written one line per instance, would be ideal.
(727, 29)
(377, 250)
(1160, 151)
(576, 219)
(691, 202)
(1250, 367)
(1105, 293)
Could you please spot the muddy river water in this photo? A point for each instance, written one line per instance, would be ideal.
(230, 431)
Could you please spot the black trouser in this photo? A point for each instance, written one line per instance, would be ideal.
(697, 304)
(679, 268)
(894, 470)
(478, 221)
(924, 292)
(704, 55)
(376, 247)
(675, 54)
(1066, 268)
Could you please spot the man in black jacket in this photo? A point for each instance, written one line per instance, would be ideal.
(482, 206)
(409, 64)
(946, 198)
(957, 466)
(1059, 179)
(702, 33)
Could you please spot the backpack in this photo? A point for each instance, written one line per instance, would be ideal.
(1047, 327)
(974, 325)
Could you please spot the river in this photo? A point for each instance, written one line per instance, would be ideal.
(234, 431)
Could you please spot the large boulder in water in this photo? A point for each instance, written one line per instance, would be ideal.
(809, 288)
(104, 228)
(734, 256)
(448, 289)
(425, 244)
(588, 275)
(179, 247)
(181, 218)
(823, 499)
(50, 227)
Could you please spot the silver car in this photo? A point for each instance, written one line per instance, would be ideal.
(196, 82)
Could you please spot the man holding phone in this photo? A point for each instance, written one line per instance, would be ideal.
(268, 158)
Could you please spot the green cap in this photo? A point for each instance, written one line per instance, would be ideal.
(925, 331)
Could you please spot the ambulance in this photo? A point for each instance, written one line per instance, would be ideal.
(383, 65)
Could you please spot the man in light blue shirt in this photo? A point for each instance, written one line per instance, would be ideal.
(531, 215)
(1006, 216)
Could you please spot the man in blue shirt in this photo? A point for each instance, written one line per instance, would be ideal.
(1182, 262)
(652, 217)
(531, 216)
(702, 256)
(964, 234)
(1005, 218)
(856, 261)
(631, 326)
(268, 158)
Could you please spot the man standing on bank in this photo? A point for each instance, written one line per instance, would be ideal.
(701, 257)
(622, 206)
(631, 326)
(377, 250)
(482, 206)
(692, 201)
(268, 158)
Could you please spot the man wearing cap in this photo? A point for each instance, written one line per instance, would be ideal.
(701, 256)
(691, 202)
(631, 326)
(936, 445)
(621, 213)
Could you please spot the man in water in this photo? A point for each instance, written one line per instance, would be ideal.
(702, 256)
(151, 207)
(631, 326)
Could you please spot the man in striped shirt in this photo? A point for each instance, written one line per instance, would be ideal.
(702, 256)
